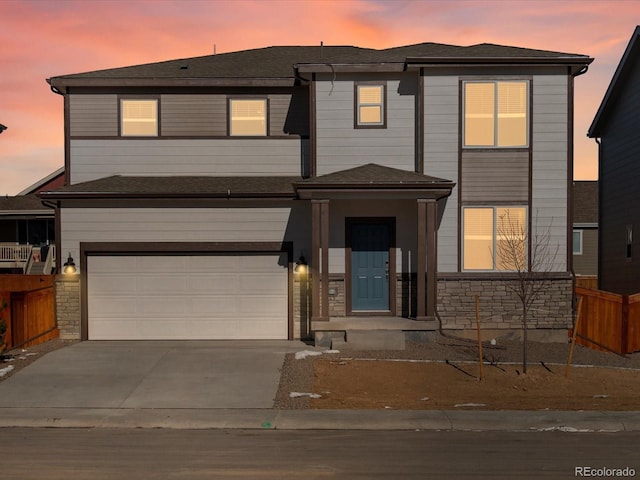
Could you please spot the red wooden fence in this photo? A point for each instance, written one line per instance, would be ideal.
(609, 321)
(30, 312)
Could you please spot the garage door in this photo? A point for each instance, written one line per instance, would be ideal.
(187, 297)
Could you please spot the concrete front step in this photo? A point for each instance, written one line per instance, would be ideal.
(369, 340)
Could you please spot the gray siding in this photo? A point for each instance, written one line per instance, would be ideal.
(340, 146)
(619, 192)
(549, 165)
(187, 115)
(193, 115)
(92, 159)
(441, 146)
(251, 224)
(405, 212)
(495, 176)
(93, 115)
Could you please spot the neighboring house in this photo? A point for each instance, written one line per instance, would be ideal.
(285, 191)
(615, 129)
(585, 227)
(27, 229)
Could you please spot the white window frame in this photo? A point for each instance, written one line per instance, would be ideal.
(124, 122)
(579, 243)
(495, 113)
(266, 117)
(494, 235)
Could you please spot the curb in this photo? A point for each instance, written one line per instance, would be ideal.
(271, 419)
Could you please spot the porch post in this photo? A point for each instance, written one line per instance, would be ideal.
(315, 260)
(422, 260)
(320, 259)
(432, 258)
(324, 244)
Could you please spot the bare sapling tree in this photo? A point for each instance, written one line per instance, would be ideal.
(531, 258)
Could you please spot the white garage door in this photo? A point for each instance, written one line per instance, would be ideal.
(187, 297)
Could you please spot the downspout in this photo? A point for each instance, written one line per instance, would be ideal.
(574, 299)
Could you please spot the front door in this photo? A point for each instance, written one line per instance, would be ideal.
(370, 243)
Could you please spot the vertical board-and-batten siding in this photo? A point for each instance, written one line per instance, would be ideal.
(441, 146)
(152, 225)
(619, 177)
(550, 162)
(340, 146)
(93, 159)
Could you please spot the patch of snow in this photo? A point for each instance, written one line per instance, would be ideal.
(331, 351)
(304, 394)
(5, 370)
(425, 399)
(493, 341)
(562, 428)
(601, 396)
(470, 405)
(306, 353)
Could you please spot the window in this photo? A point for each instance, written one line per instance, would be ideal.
(139, 117)
(629, 242)
(495, 114)
(577, 242)
(370, 102)
(248, 117)
(495, 238)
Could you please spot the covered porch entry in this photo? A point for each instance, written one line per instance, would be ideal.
(373, 248)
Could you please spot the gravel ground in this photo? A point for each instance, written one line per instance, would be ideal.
(297, 375)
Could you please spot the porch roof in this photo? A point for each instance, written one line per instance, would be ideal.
(23, 205)
(125, 187)
(375, 178)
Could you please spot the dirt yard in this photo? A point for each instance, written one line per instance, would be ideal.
(380, 384)
(444, 375)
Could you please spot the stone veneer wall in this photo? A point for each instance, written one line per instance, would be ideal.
(499, 307)
(67, 288)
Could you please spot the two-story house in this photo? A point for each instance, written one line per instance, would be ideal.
(615, 129)
(285, 191)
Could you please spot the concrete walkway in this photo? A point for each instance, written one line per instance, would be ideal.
(205, 385)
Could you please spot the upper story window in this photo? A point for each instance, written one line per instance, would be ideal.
(496, 114)
(248, 117)
(370, 102)
(139, 117)
(495, 238)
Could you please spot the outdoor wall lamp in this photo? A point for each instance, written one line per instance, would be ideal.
(69, 266)
(301, 265)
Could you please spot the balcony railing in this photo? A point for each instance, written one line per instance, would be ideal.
(25, 257)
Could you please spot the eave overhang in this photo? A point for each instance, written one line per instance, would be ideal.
(63, 84)
(629, 58)
(576, 64)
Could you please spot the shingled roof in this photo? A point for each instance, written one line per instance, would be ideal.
(282, 62)
(373, 174)
(177, 187)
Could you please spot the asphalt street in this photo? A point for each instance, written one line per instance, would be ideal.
(46, 454)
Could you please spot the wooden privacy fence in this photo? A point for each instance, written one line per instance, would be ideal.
(30, 312)
(609, 321)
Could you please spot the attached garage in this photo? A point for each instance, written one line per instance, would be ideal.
(185, 296)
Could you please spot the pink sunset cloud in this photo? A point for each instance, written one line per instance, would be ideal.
(45, 38)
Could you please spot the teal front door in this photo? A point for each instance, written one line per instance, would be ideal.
(370, 244)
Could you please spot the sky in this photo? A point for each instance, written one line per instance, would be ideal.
(40, 39)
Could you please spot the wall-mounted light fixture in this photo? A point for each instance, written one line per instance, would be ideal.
(301, 265)
(69, 266)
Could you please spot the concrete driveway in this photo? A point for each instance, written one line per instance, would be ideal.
(152, 374)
